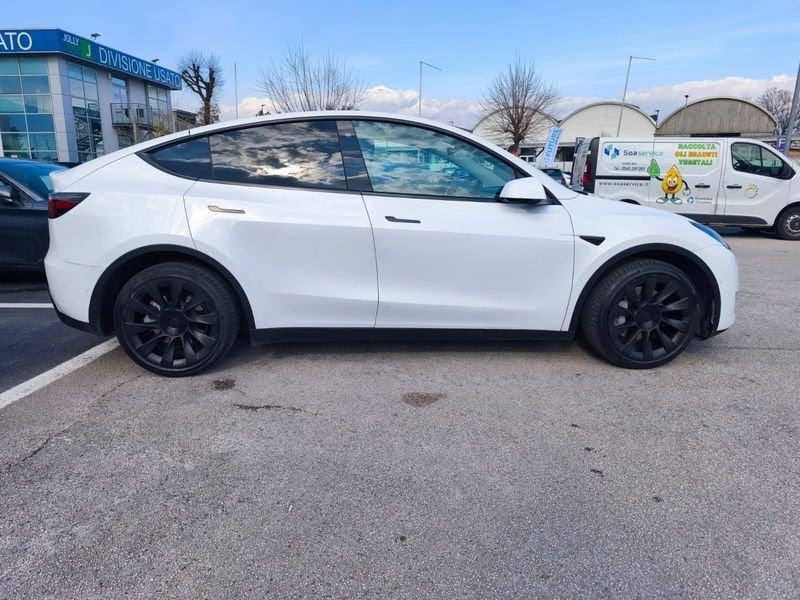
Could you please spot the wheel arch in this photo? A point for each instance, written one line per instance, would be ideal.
(123, 268)
(631, 201)
(781, 211)
(685, 260)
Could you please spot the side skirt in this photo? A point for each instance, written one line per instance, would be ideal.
(377, 334)
(725, 219)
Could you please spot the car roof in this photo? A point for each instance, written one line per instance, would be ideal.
(25, 161)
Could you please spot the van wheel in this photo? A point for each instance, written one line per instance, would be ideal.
(176, 319)
(642, 314)
(787, 225)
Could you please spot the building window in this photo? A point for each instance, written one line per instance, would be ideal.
(157, 99)
(26, 109)
(85, 111)
(120, 90)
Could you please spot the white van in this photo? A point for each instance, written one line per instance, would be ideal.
(731, 181)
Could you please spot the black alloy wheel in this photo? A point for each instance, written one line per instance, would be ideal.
(176, 318)
(643, 314)
(650, 317)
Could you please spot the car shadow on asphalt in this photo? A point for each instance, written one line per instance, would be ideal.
(243, 352)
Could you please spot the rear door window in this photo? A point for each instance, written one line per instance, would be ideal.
(191, 158)
(295, 154)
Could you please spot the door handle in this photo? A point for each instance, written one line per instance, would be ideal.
(396, 220)
(735, 186)
(219, 209)
(703, 186)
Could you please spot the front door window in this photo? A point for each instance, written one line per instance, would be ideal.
(405, 159)
(757, 160)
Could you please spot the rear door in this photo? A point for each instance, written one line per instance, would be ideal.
(756, 185)
(622, 170)
(450, 256)
(275, 206)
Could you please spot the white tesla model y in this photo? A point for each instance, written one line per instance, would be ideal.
(346, 224)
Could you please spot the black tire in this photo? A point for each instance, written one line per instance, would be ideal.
(176, 318)
(642, 314)
(787, 225)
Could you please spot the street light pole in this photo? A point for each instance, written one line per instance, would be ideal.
(419, 99)
(236, 89)
(625, 91)
(794, 114)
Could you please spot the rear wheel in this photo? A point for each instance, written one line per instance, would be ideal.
(787, 225)
(176, 318)
(642, 314)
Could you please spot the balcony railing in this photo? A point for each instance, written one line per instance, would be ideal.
(141, 115)
(140, 122)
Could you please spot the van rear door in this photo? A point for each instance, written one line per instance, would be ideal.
(685, 177)
(621, 172)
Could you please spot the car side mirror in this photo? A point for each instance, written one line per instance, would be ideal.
(526, 190)
(7, 194)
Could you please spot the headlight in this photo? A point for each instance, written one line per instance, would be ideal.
(708, 231)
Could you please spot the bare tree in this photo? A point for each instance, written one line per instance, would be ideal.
(202, 73)
(778, 103)
(517, 101)
(300, 82)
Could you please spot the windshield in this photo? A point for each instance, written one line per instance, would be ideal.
(34, 176)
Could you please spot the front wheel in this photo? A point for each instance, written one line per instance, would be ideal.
(176, 318)
(642, 314)
(787, 225)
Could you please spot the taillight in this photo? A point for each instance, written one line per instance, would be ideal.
(585, 174)
(61, 202)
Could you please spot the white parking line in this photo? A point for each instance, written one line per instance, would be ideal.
(25, 305)
(36, 383)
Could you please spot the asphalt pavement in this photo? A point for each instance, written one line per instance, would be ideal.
(421, 470)
(32, 340)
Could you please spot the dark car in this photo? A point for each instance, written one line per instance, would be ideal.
(556, 174)
(24, 187)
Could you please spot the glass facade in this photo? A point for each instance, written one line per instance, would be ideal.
(26, 109)
(85, 111)
(45, 98)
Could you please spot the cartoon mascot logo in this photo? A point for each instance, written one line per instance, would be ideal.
(672, 184)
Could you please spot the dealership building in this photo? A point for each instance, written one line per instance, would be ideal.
(69, 99)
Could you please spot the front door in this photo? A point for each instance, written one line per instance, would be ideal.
(755, 183)
(449, 254)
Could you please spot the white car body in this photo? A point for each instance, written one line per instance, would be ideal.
(716, 189)
(315, 259)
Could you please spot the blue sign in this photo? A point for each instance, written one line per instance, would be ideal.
(551, 147)
(22, 41)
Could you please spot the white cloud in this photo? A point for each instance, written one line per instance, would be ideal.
(669, 97)
(466, 113)
(383, 99)
(248, 107)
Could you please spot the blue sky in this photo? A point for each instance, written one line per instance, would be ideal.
(730, 47)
